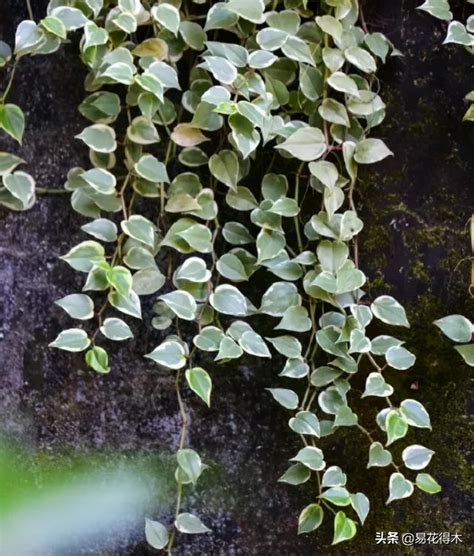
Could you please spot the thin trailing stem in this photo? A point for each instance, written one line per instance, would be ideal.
(3, 98)
(182, 438)
(30, 10)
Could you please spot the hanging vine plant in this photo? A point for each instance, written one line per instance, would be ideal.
(225, 141)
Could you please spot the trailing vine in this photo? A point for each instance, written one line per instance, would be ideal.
(225, 142)
(458, 328)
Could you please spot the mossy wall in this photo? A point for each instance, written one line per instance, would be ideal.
(414, 245)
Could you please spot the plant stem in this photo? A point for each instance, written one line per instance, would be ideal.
(30, 11)
(10, 82)
(295, 218)
(182, 438)
(50, 191)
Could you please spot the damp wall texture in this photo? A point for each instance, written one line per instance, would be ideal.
(415, 207)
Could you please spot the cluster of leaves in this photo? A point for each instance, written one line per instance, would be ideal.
(458, 33)
(460, 330)
(457, 327)
(17, 188)
(187, 102)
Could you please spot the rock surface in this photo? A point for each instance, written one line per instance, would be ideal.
(415, 208)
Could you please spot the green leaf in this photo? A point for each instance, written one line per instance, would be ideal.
(330, 25)
(305, 422)
(288, 346)
(425, 482)
(237, 234)
(77, 305)
(271, 39)
(190, 524)
(295, 367)
(231, 267)
(193, 35)
(456, 328)
(200, 382)
(149, 168)
(397, 426)
(186, 135)
(333, 477)
(102, 229)
(116, 329)
(415, 414)
(399, 358)
(310, 518)
(345, 417)
(378, 44)
(148, 281)
(279, 297)
(190, 462)
(5, 53)
(98, 359)
(72, 339)
(130, 305)
(399, 487)
(228, 349)
(361, 59)
(120, 278)
(198, 237)
(467, 353)
(339, 496)
(378, 456)
(21, 185)
(369, 151)
(334, 112)
(244, 134)
(416, 456)
(361, 505)
(99, 137)
(139, 228)
(296, 474)
(84, 256)
(311, 457)
(295, 319)
(297, 49)
(224, 166)
(437, 8)
(375, 385)
(251, 10)
(156, 534)
(458, 34)
(285, 397)
(194, 270)
(253, 344)
(169, 354)
(168, 16)
(182, 304)
(72, 18)
(28, 38)
(324, 375)
(388, 310)
(269, 244)
(228, 300)
(344, 528)
(221, 69)
(12, 120)
(307, 143)
(209, 338)
(8, 162)
(381, 344)
(341, 82)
